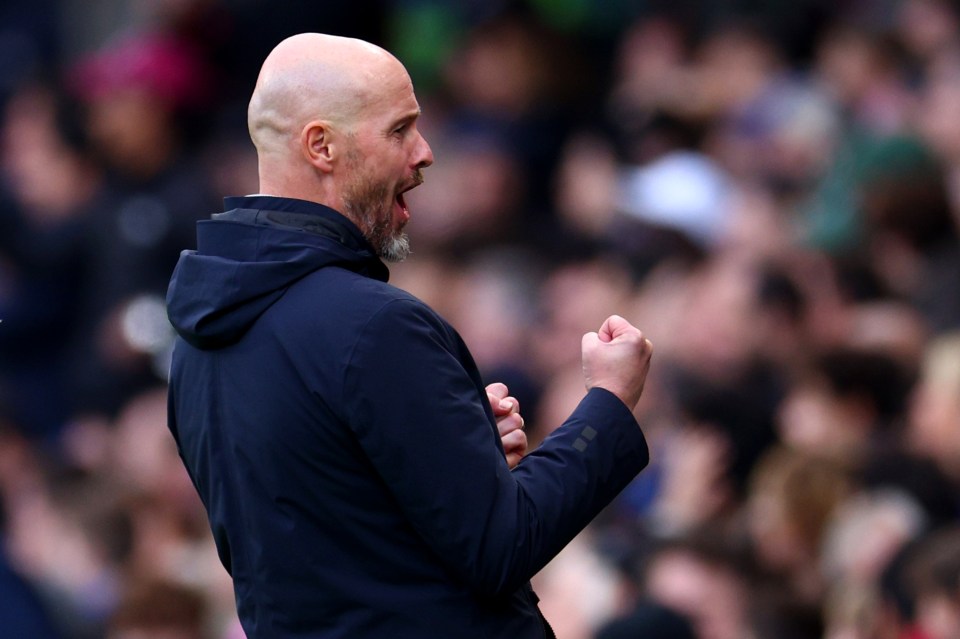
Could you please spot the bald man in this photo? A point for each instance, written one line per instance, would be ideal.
(360, 480)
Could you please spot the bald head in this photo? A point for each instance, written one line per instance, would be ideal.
(313, 76)
(334, 121)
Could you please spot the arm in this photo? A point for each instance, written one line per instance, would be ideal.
(419, 411)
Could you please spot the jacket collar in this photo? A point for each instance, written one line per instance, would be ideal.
(303, 215)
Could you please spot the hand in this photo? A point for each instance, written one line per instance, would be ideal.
(506, 410)
(617, 358)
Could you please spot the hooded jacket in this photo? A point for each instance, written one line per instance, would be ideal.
(340, 437)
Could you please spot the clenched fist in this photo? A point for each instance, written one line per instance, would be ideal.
(506, 409)
(617, 359)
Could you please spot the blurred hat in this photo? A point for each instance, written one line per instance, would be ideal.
(165, 68)
(682, 190)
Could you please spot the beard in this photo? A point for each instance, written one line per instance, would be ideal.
(368, 204)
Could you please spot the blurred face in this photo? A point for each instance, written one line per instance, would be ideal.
(938, 616)
(935, 424)
(814, 419)
(937, 120)
(131, 128)
(712, 597)
(384, 160)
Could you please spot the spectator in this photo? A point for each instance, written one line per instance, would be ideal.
(136, 93)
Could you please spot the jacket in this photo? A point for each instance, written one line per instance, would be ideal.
(340, 437)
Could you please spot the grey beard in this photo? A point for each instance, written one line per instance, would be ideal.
(363, 204)
(374, 223)
(395, 249)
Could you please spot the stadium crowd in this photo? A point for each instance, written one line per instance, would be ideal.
(769, 190)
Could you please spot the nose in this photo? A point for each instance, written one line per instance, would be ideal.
(424, 153)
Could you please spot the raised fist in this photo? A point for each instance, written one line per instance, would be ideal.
(617, 359)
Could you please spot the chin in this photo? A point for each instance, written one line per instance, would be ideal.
(397, 249)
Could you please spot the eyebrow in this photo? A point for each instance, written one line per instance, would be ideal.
(406, 119)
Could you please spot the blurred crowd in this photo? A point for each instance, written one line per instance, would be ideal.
(769, 190)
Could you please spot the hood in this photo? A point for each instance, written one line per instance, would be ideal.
(246, 258)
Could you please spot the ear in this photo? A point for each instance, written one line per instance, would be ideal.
(317, 145)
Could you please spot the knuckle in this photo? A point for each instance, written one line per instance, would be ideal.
(511, 423)
(498, 389)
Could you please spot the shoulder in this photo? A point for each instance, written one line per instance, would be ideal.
(335, 300)
(361, 291)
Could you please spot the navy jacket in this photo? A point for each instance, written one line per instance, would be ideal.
(338, 432)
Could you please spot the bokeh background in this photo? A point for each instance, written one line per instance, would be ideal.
(769, 189)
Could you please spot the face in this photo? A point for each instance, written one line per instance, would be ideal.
(384, 159)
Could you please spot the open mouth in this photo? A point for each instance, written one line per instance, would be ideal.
(401, 201)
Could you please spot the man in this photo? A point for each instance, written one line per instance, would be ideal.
(337, 428)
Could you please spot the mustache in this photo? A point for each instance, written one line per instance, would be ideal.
(418, 178)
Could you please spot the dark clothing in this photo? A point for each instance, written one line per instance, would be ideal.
(340, 436)
(41, 275)
(22, 611)
(649, 620)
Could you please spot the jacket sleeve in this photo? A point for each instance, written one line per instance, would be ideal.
(421, 419)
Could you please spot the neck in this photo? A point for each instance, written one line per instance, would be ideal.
(281, 184)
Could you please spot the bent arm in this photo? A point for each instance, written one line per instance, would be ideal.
(421, 414)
